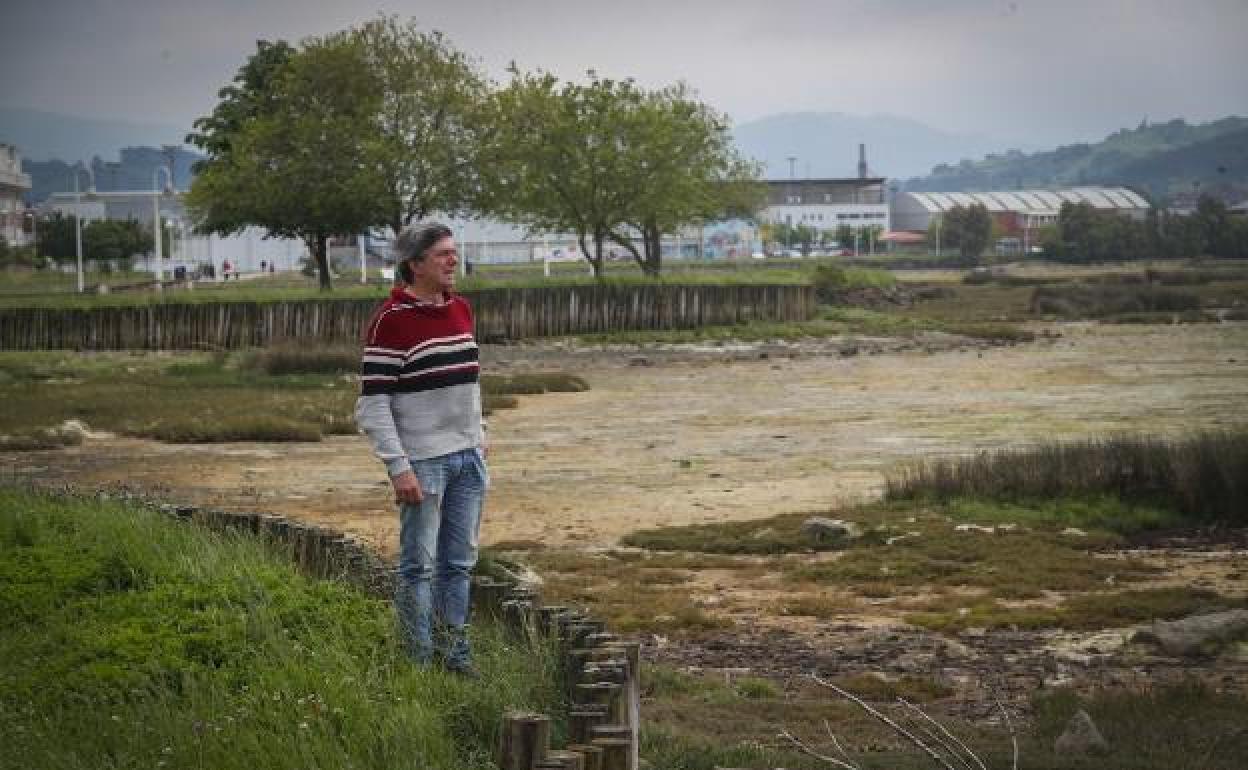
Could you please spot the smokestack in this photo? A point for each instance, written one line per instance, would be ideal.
(862, 161)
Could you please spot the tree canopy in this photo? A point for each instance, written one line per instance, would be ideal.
(967, 228)
(609, 162)
(429, 122)
(301, 163)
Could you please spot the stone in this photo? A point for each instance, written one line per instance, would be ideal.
(1081, 737)
(821, 529)
(1195, 634)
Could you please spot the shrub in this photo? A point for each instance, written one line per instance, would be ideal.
(1204, 478)
(1083, 301)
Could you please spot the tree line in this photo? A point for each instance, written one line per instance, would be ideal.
(1085, 234)
(104, 241)
(384, 124)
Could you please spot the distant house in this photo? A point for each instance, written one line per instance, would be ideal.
(1018, 214)
(13, 186)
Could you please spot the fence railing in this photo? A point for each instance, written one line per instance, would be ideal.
(501, 314)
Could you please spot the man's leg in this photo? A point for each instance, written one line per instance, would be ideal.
(418, 539)
(464, 495)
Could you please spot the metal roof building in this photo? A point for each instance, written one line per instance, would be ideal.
(1031, 208)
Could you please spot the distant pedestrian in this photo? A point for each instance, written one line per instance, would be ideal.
(420, 405)
(226, 267)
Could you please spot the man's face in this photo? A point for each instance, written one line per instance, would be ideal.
(436, 272)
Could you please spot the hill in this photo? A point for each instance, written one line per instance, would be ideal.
(826, 144)
(1160, 159)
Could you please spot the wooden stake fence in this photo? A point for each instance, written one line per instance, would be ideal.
(501, 314)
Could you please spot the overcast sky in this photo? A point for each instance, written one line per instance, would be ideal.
(1029, 71)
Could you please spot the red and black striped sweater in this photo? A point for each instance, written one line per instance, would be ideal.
(420, 395)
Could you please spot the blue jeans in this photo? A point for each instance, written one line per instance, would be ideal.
(437, 551)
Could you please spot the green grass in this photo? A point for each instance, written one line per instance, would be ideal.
(278, 394)
(1086, 612)
(1188, 725)
(132, 640)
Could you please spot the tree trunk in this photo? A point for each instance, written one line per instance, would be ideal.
(652, 237)
(321, 252)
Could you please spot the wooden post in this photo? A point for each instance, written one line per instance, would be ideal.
(561, 760)
(524, 741)
(581, 721)
(615, 752)
(631, 701)
(592, 754)
(601, 693)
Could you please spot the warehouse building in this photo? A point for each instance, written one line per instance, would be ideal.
(1018, 214)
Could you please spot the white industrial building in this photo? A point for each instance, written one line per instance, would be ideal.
(1018, 214)
(915, 211)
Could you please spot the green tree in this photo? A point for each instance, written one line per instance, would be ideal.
(56, 237)
(114, 240)
(555, 156)
(610, 162)
(303, 163)
(967, 228)
(845, 236)
(684, 169)
(429, 121)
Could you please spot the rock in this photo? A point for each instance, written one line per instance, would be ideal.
(1080, 737)
(1196, 634)
(1074, 532)
(820, 529)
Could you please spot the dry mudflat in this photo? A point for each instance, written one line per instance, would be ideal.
(680, 435)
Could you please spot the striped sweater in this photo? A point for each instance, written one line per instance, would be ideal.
(419, 391)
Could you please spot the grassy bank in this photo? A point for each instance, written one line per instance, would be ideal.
(135, 641)
(277, 394)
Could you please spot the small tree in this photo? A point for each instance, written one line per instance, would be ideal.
(969, 229)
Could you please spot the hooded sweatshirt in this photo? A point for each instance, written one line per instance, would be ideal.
(419, 390)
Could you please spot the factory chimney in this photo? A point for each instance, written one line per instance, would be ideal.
(862, 161)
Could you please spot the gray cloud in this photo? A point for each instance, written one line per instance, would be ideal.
(1024, 70)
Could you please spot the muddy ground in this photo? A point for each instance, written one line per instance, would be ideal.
(678, 435)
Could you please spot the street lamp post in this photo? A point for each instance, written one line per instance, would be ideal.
(34, 232)
(82, 283)
(158, 231)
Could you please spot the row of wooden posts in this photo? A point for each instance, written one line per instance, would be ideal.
(501, 315)
(599, 675)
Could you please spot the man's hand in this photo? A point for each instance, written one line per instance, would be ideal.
(407, 488)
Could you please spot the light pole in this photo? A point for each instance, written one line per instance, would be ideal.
(34, 232)
(158, 231)
(82, 284)
(788, 232)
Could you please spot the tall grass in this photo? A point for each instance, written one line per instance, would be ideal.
(1099, 301)
(1203, 477)
(134, 641)
(291, 358)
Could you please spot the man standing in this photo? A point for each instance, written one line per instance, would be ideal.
(420, 405)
